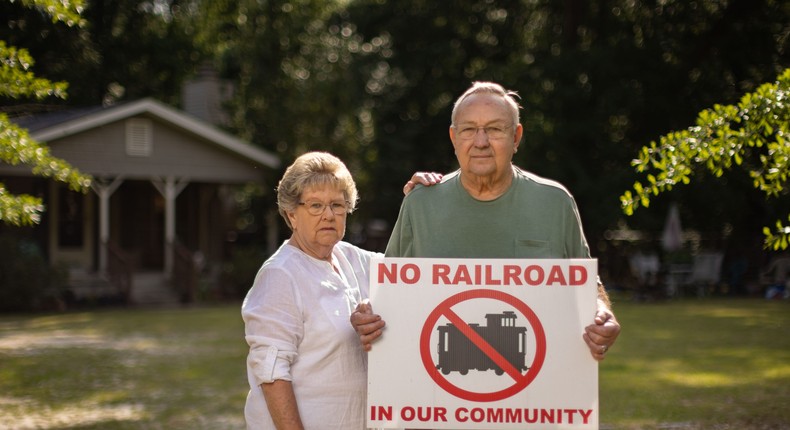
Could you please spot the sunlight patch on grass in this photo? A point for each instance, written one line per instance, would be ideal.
(31, 415)
(777, 372)
(700, 379)
(23, 343)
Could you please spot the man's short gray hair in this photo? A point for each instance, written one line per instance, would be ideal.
(489, 88)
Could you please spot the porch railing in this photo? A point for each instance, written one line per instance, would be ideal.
(120, 268)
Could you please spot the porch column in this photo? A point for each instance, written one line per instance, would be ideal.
(170, 188)
(104, 190)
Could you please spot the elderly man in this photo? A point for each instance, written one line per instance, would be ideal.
(490, 208)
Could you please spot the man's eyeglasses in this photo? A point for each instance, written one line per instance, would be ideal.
(494, 132)
(318, 208)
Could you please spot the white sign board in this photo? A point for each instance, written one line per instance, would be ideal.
(483, 344)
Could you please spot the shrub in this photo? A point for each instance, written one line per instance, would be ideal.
(27, 282)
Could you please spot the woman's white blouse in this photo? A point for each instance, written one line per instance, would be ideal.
(296, 318)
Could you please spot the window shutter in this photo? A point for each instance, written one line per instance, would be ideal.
(139, 137)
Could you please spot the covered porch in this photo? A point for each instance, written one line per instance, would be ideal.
(162, 200)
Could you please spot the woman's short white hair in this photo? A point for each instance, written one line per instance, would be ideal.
(314, 170)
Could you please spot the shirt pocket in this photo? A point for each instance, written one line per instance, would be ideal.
(533, 248)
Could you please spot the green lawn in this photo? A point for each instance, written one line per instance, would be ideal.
(124, 369)
(691, 364)
(701, 364)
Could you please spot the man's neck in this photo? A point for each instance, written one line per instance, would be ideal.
(487, 188)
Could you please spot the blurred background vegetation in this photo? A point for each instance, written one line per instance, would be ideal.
(373, 81)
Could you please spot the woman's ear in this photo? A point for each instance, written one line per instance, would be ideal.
(292, 219)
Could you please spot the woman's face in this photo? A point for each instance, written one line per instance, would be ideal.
(316, 235)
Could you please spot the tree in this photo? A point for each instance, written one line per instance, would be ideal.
(16, 146)
(753, 135)
(122, 49)
(597, 79)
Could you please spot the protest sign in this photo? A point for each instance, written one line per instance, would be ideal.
(483, 344)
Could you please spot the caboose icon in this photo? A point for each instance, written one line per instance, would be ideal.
(458, 353)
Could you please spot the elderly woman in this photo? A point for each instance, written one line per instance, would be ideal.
(306, 367)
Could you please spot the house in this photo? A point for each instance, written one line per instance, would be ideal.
(161, 196)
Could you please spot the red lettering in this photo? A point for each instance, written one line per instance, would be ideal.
(462, 275)
(410, 278)
(409, 273)
(489, 277)
(460, 415)
(511, 274)
(441, 271)
(390, 274)
(556, 276)
(512, 415)
(495, 415)
(423, 414)
(535, 279)
(578, 275)
(381, 412)
(547, 416)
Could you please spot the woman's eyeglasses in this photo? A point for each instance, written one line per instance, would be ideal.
(317, 208)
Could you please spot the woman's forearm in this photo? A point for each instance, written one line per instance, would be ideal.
(281, 401)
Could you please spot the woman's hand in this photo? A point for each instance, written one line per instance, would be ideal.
(422, 178)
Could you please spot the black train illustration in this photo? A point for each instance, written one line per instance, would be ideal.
(458, 353)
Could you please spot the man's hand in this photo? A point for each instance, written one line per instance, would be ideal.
(423, 178)
(368, 325)
(602, 333)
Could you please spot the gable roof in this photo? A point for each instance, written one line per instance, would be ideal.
(45, 128)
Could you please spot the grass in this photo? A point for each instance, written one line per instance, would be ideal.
(687, 364)
(699, 364)
(124, 369)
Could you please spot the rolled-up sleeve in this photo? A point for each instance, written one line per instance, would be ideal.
(268, 363)
(273, 326)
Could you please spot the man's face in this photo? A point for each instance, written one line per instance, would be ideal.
(484, 136)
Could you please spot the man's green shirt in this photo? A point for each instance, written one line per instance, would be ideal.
(534, 218)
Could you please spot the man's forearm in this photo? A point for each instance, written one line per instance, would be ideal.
(603, 296)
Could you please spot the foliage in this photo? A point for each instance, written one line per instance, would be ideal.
(424, 55)
(752, 135)
(123, 49)
(289, 62)
(239, 273)
(67, 11)
(27, 280)
(596, 79)
(373, 81)
(16, 146)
